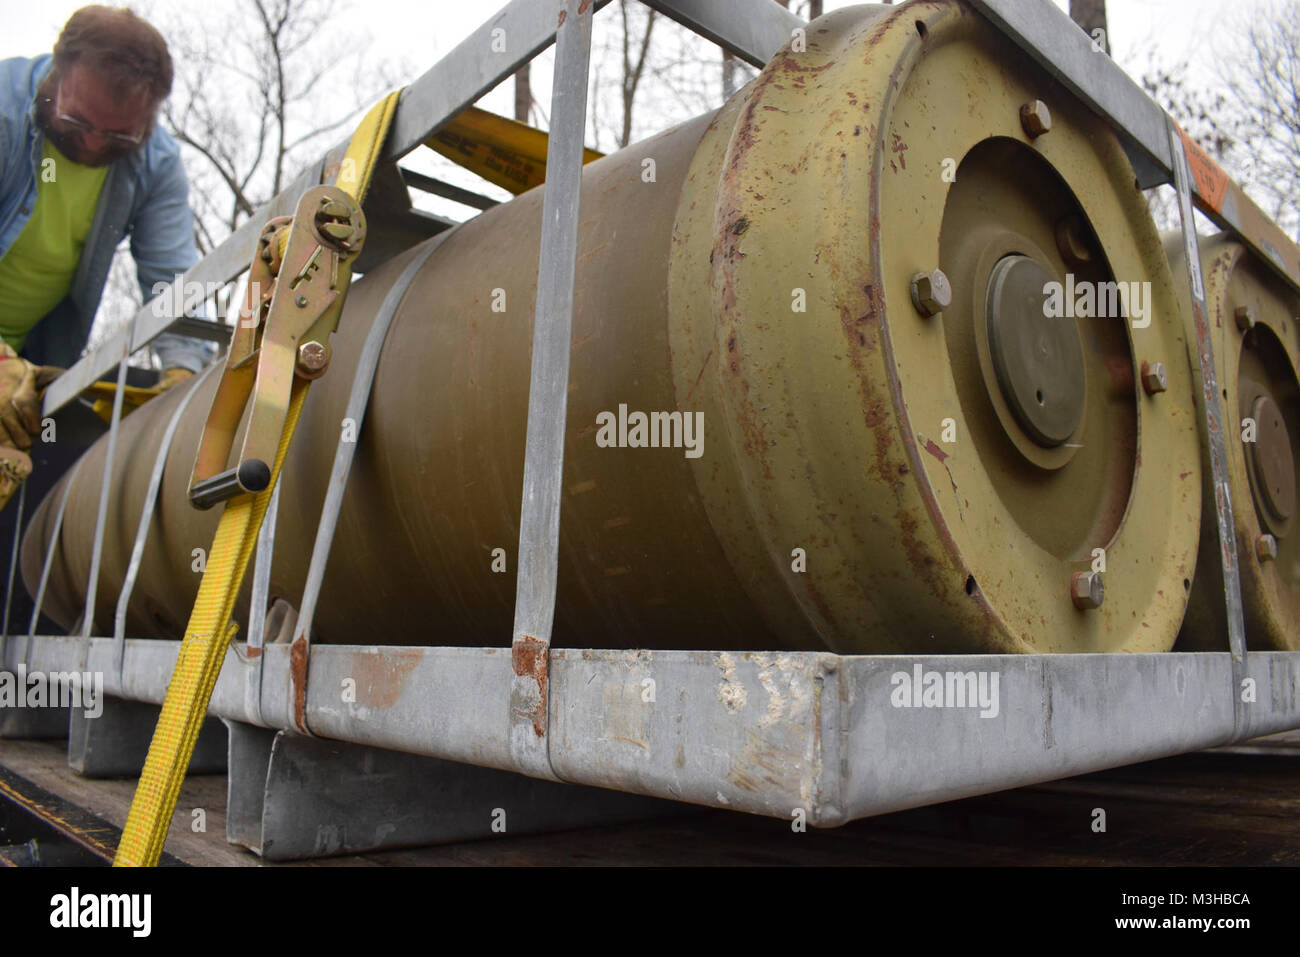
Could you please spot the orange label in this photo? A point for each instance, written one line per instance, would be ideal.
(1211, 181)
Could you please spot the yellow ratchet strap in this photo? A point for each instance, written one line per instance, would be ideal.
(210, 628)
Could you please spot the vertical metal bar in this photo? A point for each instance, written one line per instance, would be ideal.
(539, 528)
(362, 382)
(49, 558)
(261, 591)
(101, 517)
(13, 564)
(262, 573)
(146, 516)
(1213, 426)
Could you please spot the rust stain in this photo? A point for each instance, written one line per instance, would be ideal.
(696, 384)
(529, 657)
(934, 450)
(764, 765)
(922, 562)
(726, 253)
(563, 15)
(593, 252)
(380, 678)
(898, 147)
(298, 654)
(791, 62)
(1120, 371)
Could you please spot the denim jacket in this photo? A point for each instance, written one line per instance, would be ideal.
(145, 195)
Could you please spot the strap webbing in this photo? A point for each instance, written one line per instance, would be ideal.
(210, 629)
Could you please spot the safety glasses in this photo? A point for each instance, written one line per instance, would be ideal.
(81, 126)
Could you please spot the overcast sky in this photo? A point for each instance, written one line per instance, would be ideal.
(410, 35)
(419, 31)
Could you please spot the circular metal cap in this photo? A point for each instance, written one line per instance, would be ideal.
(1272, 460)
(1038, 359)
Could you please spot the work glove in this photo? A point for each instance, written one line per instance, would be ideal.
(173, 376)
(21, 384)
(15, 466)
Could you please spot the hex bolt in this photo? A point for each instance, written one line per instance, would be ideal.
(1266, 548)
(931, 292)
(1245, 317)
(1154, 377)
(1086, 590)
(1035, 119)
(312, 356)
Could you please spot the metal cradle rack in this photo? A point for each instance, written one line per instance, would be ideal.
(838, 751)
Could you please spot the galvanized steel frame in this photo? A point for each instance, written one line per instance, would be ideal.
(824, 733)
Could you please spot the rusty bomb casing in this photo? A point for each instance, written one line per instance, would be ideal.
(761, 280)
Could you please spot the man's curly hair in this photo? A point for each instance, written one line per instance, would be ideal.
(121, 47)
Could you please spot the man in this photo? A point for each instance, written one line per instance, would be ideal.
(84, 164)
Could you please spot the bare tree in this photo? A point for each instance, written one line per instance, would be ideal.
(251, 111)
(1090, 15)
(1248, 117)
(1261, 77)
(260, 88)
(636, 48)
(523, 94)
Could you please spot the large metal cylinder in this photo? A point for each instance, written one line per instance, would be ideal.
(1250, 314)
(875, 473)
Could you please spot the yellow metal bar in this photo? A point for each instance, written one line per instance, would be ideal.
(504, 152)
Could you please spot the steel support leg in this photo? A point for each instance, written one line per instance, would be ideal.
(293, 797)
(114, 744)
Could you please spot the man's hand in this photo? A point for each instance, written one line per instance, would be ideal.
(21, 384)
(15, 466)
(173, 376)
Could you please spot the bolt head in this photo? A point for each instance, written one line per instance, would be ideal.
(1245, 318)
(301, 302)
(1035, 118)
(313, 356)
(1154, 377)
(1086, 590)
(931, 292)
(1266, 548)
